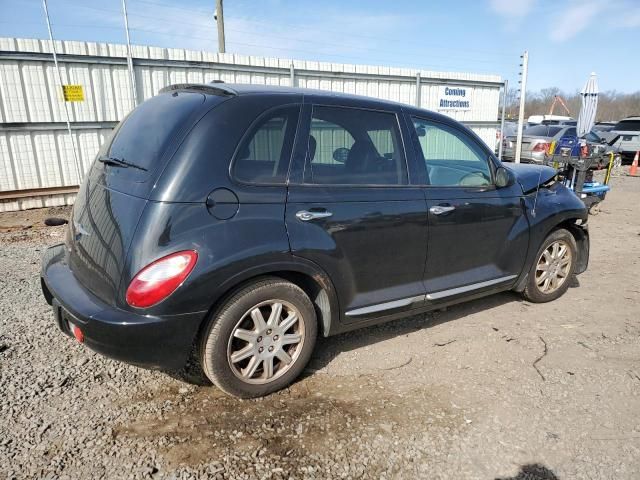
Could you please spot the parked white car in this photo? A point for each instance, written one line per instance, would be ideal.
(551, 120)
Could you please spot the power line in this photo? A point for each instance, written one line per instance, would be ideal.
(499, 64)
(166, 5)
(324, 43)
(376, 37)
(350, 58)
(304, 29)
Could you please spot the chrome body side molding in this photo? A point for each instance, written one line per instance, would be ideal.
(403, 302)
(468, 288)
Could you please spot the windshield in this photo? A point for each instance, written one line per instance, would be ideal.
(542, 130)
(628, 126)
(141, 139)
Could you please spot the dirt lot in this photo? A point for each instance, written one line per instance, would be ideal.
(496, 388)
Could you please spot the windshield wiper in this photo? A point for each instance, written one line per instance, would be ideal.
(119, 162)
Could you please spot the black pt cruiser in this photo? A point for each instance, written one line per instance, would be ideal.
(221, 228)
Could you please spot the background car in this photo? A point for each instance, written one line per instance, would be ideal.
(604, 126)
(625, 135)
(572, 123)
(537, 139)
(510, 129)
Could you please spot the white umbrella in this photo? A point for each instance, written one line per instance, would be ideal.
(587, 116)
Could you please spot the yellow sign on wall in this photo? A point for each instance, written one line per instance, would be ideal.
(73, 93)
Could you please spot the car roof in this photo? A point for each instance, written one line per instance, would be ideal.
(242, 89)
(636, 118)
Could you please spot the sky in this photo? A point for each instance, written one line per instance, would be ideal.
(566, 39)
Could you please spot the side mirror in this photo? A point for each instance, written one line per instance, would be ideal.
(504, 178)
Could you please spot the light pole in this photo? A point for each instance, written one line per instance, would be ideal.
(132, 75)
(66, 107)
(523, 92)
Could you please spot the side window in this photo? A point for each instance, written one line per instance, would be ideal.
(264, 154)
(329, 138)
(451, 157)
(350, 146)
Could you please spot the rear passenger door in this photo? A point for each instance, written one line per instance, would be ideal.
(478, 234)
(352, 211)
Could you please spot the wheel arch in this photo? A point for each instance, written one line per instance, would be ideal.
(581, 236)
(576, 225)
(306, 275)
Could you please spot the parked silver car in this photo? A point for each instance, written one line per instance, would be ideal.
(536, 141)
(626, 137)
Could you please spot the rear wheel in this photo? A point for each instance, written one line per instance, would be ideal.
(553, 269)
(260, 340)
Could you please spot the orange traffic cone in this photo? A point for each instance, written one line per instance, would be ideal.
(633, 171)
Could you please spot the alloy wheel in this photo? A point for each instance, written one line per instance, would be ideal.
(553, 267)
(266, 342)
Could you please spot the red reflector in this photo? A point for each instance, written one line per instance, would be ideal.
(159, 279)
(77, 333)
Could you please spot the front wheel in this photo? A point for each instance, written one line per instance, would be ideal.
(553, 269)
(260, 340)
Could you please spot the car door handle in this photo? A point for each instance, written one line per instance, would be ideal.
(440, 209)
(306, 215)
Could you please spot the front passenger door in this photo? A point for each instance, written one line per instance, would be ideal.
(478, 234)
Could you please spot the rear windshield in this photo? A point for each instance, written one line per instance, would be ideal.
(542, 130)
(628, 126)
(143, 136)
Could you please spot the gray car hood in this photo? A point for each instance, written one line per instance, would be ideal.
(530, 176)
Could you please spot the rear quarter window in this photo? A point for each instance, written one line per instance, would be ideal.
(264, 153)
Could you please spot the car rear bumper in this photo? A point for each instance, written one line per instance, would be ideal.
(158, 342)
(525, 156)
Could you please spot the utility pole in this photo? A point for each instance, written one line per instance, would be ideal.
(523, 92)
(76, 162)
(132, 75)
(219, 17)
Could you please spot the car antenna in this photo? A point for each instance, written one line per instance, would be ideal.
(535, 199)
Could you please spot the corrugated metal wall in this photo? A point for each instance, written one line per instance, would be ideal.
(35, 149)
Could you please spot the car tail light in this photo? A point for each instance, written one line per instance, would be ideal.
(159, 279)
(541, 147)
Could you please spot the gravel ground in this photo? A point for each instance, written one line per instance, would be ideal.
(495, 388)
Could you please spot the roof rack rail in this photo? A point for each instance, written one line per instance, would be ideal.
(216, 89)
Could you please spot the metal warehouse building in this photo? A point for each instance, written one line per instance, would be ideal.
(37, 166)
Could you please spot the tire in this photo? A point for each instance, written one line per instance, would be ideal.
(536, 281)
(246, 354)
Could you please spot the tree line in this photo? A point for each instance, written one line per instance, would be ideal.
(612, 105)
